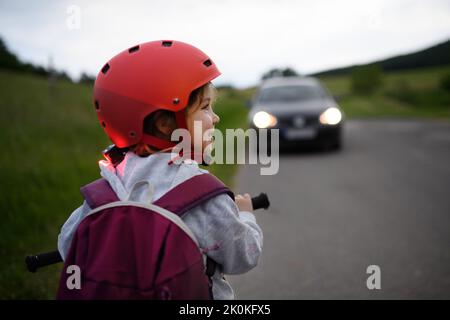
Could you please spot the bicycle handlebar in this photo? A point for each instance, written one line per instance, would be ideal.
(34, 262)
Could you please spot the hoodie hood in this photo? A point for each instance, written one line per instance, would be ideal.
(155, 170)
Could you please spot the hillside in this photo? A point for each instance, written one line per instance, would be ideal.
(433, 56)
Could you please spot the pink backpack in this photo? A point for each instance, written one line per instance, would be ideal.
(132, 250)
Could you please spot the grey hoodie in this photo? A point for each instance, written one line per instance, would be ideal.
(230, 237)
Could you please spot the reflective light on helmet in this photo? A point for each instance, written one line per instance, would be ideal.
(263, 119)
(331, 116)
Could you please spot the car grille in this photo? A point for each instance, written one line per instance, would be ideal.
(289, 122)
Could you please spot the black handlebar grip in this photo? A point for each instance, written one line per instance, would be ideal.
(41, 260)
(261, 201)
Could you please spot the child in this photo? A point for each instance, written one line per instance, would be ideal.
(141, 96)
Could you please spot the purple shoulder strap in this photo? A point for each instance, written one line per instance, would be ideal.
(98, 193)
(178, 200)
(192, 192)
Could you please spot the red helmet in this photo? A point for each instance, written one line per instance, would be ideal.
(157, 75)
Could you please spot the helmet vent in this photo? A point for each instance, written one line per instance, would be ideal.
(133, 49)
(167, 43)
(207, 63)
(97, 106)
(105, 68)
(103, 124)
(176, 101)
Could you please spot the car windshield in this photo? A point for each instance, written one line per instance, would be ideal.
(291, 93)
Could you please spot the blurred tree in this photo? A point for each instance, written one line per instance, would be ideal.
(224, 87)
(86, 79)
(9, 61)
(276, 72)
(288, 72)
(64, 76)
(366, 79)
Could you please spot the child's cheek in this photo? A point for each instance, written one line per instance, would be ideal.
(208, 121)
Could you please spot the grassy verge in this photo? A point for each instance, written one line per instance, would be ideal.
(412, 94)
(50, 146)
(51, 143)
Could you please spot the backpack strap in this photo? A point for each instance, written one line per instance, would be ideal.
(192, 192)
(178, 200)
(98, 193)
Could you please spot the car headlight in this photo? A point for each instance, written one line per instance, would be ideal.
(331, 116)
(262, 119)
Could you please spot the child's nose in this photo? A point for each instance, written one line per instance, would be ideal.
(216, 119)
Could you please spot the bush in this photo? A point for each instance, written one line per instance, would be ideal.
(431, 97)
(287, 72)
(366, 79)
(402, 91)
(445, 82)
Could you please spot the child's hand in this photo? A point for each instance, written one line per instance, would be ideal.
(244, 202)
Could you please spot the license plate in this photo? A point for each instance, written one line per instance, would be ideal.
(299, 122)
(307, 133)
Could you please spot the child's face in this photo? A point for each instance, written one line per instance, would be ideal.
(208, 119)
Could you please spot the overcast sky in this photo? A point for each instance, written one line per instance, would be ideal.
(245, 38)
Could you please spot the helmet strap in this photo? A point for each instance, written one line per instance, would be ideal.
(180, 119)
(161, 144)
(157, 142)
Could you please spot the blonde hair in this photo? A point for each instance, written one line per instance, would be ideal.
(195, 98)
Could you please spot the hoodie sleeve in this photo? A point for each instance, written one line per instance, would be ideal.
(230, 237)
(69, 228)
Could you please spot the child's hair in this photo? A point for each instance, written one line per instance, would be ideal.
(168, 119)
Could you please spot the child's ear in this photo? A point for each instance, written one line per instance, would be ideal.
(165, 124)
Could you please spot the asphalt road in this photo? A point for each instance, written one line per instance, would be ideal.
(383, 200)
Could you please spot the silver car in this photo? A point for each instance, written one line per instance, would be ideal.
(301, 108)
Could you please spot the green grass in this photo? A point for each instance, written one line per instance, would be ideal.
(51, 143)
(426, 99)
